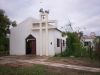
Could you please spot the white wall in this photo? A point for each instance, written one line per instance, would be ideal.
(51, 42)
(89, 40)
(21, 32)
(58, 35)
(18, 36)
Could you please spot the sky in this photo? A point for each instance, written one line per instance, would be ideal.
(84, 15)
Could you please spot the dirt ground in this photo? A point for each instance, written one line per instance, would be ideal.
(40, 70)
(13, 61)
(63, 71)
(20, 67)
(76, 61)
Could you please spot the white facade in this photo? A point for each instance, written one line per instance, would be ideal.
(88, 40)
(46, 39)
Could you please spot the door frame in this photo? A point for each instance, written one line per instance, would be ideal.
(32, 39)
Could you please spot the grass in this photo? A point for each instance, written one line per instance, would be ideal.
(34, 70)
(41, 70)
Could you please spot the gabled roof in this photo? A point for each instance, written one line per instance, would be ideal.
(30, 19)
(88, 37)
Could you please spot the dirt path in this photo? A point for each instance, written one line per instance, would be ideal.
(63, 65)
(42, 61)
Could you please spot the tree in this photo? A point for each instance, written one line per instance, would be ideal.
(74, 45)
(5, 24)
(14, 23)
(97, 46)
(80, 34)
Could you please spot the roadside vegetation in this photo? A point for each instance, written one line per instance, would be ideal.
(5, 24)
(97, 47)
(75, 48)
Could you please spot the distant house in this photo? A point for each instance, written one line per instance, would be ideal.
(88, 40)
(38, 37)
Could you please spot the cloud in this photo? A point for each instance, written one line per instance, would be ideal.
(17, 9)
(82, 13)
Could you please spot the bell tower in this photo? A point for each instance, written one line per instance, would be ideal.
(43, 14)
(44, 19)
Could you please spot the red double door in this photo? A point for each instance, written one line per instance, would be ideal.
(33, 43)
(30, 45)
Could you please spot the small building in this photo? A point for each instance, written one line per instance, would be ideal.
(88, 40)
(38, 37)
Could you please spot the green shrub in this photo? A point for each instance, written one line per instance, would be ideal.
(74, 47)
(4, 46)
